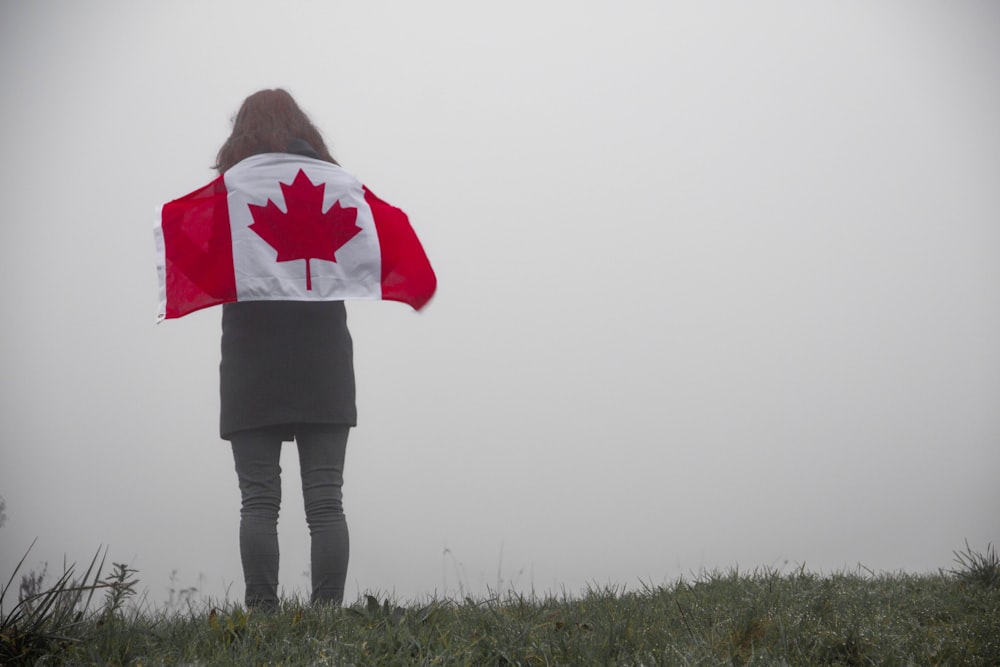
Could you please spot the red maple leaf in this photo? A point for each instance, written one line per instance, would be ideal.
(305, 231)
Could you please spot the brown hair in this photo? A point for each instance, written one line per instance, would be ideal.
(268, 122)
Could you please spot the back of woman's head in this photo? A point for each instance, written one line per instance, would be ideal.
(269, 121)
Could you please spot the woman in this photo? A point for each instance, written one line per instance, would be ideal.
(287, 373)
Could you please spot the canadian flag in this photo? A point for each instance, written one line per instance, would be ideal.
(278, 226)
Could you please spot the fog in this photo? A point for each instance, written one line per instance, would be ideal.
(719, 286)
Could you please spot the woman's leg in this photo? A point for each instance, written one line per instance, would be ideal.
(321, 458)
(257, 453)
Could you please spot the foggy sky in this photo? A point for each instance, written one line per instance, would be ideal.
(719, 285)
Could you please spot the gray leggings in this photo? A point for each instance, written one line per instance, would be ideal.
(321, 459)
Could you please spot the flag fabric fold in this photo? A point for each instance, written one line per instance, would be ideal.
(278, 226)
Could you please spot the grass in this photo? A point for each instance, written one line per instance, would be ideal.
(760, 617)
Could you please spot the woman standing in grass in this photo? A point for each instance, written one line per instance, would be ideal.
(287, 374)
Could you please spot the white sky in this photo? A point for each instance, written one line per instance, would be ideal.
(719, 285)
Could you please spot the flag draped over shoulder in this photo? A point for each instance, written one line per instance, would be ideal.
(278, 226)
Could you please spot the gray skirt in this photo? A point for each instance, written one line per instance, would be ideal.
(285, 362)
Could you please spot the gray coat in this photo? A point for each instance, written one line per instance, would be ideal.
(286, 363)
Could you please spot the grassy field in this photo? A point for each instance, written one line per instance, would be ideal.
(721, 618)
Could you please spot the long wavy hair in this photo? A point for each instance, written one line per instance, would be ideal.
(269, 121)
